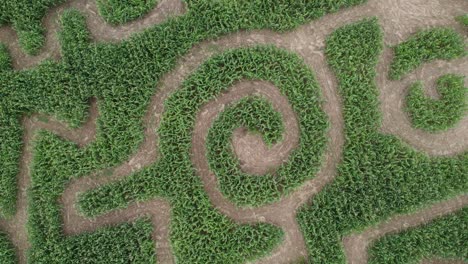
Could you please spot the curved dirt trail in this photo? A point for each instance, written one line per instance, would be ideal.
(262, 159)
(15, 227)
(255, 157)
(399, 19)
(100, 30)
(397, 122)
(356, 244)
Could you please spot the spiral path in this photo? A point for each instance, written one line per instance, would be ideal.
(399, 19)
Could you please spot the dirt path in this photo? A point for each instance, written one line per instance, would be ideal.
(399, 19)
(100, 30)
(255, 157)
(356, 244)
(397, 122)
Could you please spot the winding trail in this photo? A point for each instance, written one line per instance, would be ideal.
(255, 157)
(356, 244)
(279, 213)
(398, 18)
(397, 122)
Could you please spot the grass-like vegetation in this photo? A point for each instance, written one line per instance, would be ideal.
(442, 238)
(126, 243)
(121, 11)
(7, 251)
(379, 175)
(197, 229)
(25, 17)
(5, 59)
(123, 76)
(245, 189)
(463, 19)
(436, 115)
(425, 46)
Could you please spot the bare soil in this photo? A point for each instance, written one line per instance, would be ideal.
(399, 19)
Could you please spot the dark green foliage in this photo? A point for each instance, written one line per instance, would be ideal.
(25, 16)
(5, 59)
(245, 189)
(10, 149)
(445, 237)
(122, 75)
(121, 11)
(7, 252)
(74, 37)
(197, 231)
(127, 243)
(436, 115)
(257, 115)
(379, 176)
(425, 46)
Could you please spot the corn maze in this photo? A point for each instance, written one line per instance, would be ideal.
(233, 131)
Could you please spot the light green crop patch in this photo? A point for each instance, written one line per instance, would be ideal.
(425, 46)
(442, 238)
(438, 114)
